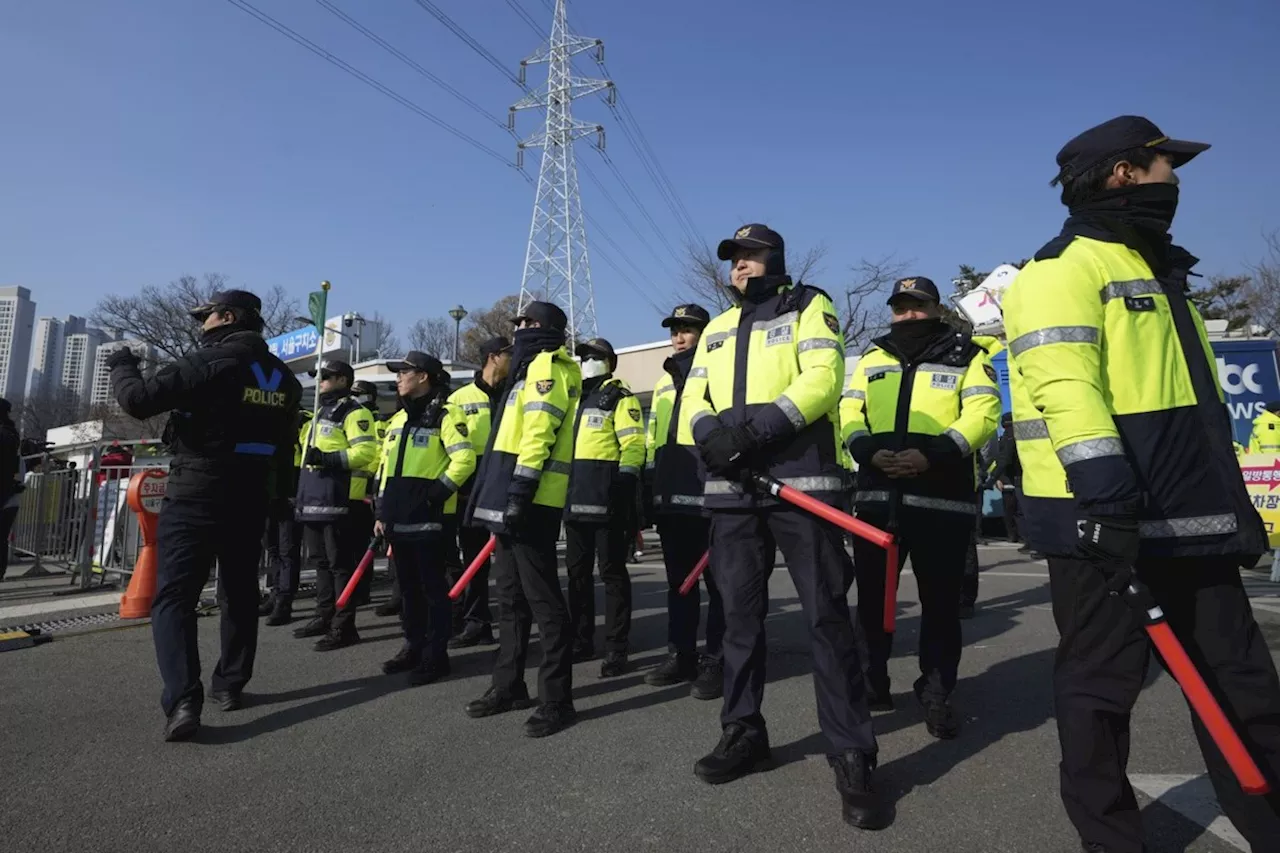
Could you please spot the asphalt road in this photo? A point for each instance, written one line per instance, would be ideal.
(332, 755)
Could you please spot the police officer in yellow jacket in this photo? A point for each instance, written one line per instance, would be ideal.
(919, 404)
(472, 618)
(284, 537)
(674, 479)
(366, 394)
(519, 496)
(426, 458)
(1127, 466)
(339, 447)
(763, 395)
(1265, 437)
(608, 457)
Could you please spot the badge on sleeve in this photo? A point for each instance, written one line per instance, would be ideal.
(364, 425)
(634, 412)
(462, 429)
(544, 386)
(991, 373)
(832, 322)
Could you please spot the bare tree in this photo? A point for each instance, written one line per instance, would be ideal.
(51, 406)
(1263, 290)
(482, 325)
(706, 277)
(433, 335)
(157, 315)
(378, 338)
(862, 310)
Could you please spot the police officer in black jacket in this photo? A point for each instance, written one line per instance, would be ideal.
(234, 409)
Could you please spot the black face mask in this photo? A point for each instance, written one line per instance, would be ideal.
(913, 337)
(1148, 207)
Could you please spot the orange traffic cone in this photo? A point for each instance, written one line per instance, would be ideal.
(146, 490)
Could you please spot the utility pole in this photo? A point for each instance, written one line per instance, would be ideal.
(556, 267)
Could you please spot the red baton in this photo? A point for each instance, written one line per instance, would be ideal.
(365, 563)
(470, 573)
(692, 580)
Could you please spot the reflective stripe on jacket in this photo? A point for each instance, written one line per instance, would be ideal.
(608, 441)
(344, 427)
(435, 449)
(674, 469)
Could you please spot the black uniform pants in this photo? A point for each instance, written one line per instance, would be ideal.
(528, 585)
(937, 542)
(332, 550)
(684, 540)
(362, 530)
(473, 606)
(7, 516)
(190, 535)
(612, 543)
(969, 584)
(284, 548)
(420, 567)
(1101, 665)
(1009, 504)
(742, 554)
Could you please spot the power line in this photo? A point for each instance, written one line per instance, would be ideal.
(374, 37)
(458, 31)
(263, 17)
(670, 185)
(621, 213)
(644, 294)
(527, 18)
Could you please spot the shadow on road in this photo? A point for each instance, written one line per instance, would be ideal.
(338, 696)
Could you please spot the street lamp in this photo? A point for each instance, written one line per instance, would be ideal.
(457, 312)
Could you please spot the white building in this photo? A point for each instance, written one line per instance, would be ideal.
(100, 391)
(78, 359)
(17, 315)
(47, 353)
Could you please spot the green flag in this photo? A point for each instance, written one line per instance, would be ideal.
(317, 304)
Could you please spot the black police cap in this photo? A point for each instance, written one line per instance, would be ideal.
(753, 237)
(595, 346)
(493, 346)
(545, 314)
(691, 314)
(1122, 133)
(364, 386)
(417, 360)
(918, 287)
(334, 365)
(223, 299)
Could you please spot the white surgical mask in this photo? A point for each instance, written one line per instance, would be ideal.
(593, 367)
(364, 400)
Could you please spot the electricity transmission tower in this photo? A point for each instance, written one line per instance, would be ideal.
(556, 267)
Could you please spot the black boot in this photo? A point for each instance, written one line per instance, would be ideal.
(227, 700)
(675, 669)
(266, 603)
(737, 754)
(473, 634)
(317, 627)
(710, 681)
(939, 718)
(583, 651)
(615, 664)
(404, 661)
(429, 671)
(282, 613)
(496, 701)
(861, 805)
(337, 639)
(549, 718)
(391, 607)
(184, 722)
(878, 696)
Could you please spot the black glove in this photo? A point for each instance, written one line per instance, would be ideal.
(728, 450)
(438, 493)
(314, 457)
(646, 505)
(1112, 543)
(119, 357)
(517, 514)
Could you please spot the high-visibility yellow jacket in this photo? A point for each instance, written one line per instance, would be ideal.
(1266, 433)
(1116, 404)
(945, 405)
(776, 361)
(429, 446)
(608, 443)
(476, 401)
(532, 447)
(674, 471)
(343, 429)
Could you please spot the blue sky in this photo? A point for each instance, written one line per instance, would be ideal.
(147, 139)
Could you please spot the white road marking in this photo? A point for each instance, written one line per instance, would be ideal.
(1193, 798)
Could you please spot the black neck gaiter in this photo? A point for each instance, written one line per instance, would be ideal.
(913, 337)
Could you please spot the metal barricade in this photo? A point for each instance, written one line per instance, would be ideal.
(72, 514)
